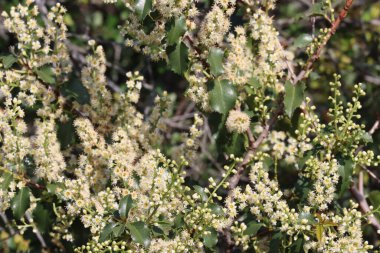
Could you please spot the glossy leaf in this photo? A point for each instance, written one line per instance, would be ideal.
(211, 239)
(303, 40)
(8, 61)
(275, 243)
(254, 82)
(52, 188)
(21, 202)
(317, 9)
(216, 209)
(222, 96)
(46, 74)
(252, 228)
(177, 30)
(143, 7)
(374, 198)
(178, 59)
(215, 59)
(118, 230)
(198, 189)
(140, 233)
(345, 172)
(125, 205)
(107, 232)
(235, 144)
(7, 179)
(294, 95)
(41, 218)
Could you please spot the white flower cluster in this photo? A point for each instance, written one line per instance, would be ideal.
(216, 24)
(239, 63)
(47, 152)
(151, 43)
(237, 121)
(270, 64)
(325, 176)
(116, 156)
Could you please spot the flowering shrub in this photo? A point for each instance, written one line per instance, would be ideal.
(86, 168)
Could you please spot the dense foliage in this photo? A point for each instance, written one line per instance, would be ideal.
(189, 126)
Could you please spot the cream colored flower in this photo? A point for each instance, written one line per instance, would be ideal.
(237, 121)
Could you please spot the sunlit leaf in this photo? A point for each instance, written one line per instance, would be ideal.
(140, 233)
(21, 202)
(222, 96)
(294, 95)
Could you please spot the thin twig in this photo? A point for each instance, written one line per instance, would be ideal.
(6, 221)
(364, 207)
(35, 230)
(234, 180)
(374, 127)
(312, 21)
(371, 174)
(309, 64)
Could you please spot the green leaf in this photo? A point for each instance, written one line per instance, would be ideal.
(211, 239)
(318, 9)
(252, 228)
(157, 231)
(66, 133)
(235, 144)
(74, 89)
(222, 96)
(308, 216)
(125, 205)
(297, 246)
(7, 179)
(42, 218)
(303, 40)
(8, 60)
(107, 232)
(140, 233)
(177, 30)
(374, 197)
(216, 209)
(254, 82)
(21, 202)
(345, 173)
(275, 243)
(178, 221)
(198, 189)
(118, 230)
(319, 232)
(164, 226)
(215, 59)
(294, 95)
(178, 59)
(367, 137)
(46, 74)
(52, 187)
(143, 7)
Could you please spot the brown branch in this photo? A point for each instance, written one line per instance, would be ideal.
(234, 180)
(309, 64)
(371, 174)
(364, 207)
(374, 127)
